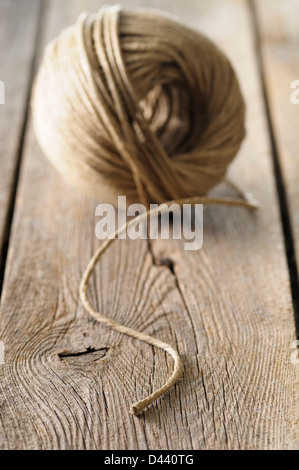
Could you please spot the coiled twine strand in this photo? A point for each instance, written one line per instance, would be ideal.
(135, 103)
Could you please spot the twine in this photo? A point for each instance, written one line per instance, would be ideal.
(135, 103)
(138, 407)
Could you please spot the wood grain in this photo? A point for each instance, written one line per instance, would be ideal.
(18, 29)
(67, 382)
(236, 288)
(278, 29)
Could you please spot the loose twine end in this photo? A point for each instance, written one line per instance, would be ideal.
(138, 407)
(138, 137)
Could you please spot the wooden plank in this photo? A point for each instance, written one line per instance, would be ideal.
(18, 29)
(56, 402)
(236, 288)
(226, 308)
(278, 29)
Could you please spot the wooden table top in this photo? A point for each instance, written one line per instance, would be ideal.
(230, 308)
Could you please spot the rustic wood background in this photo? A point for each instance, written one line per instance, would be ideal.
(231, 308)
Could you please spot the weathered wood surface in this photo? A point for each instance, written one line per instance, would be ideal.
(227, 308)
(236, 287)
(278, 28)
(18, 30)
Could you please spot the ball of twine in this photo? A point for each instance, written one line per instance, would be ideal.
(135, 103)
(138, 104)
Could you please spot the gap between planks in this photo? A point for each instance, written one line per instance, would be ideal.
(21, 140)
(279, 177)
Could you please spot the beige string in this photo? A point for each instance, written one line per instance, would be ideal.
(138, 407)
(135, 103)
